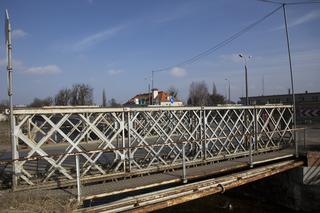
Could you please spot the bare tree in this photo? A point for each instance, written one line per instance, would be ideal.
(173, 91)
(37, 102)
(63, 97)
(4, 104)
(114, 103)
(215, 98)
(214, 88)
(104, 99)
(81, 94)
(198, 94)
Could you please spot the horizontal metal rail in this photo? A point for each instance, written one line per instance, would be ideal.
(39, 157)
(52, 110)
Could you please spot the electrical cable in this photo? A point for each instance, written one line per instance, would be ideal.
(292, 3)
(219, 45)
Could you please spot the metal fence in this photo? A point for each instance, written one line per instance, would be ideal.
(117, 142)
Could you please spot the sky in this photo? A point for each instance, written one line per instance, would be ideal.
(114, 45)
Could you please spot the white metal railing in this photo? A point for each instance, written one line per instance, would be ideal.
(120, 141)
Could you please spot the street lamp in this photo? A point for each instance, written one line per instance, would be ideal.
(245, 58)
(149, 95)
(228, 97)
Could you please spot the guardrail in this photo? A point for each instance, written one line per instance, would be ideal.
(117, 142)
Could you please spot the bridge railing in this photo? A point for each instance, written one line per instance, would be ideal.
(117, 142)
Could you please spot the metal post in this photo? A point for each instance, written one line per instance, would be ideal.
(129, 140)
(304, 138)
(15, 153)
(29, 128)
(78, 179)
(246, 81)
(250, 152)
(204, 136)
(84, 126)
(229, 98)
(255, 135)
(152, 86)
(201, 134)
(184, 172)
(123, 158)
(250, 148)
(291, 78)
(228, 91)
(149, 94)
(14, 144)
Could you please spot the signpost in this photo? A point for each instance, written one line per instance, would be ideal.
(172, 100)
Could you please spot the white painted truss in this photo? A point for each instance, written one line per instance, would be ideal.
(112, 142)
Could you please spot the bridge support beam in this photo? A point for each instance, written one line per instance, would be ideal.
(180, 194)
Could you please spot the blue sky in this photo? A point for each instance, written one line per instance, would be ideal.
(115, 45)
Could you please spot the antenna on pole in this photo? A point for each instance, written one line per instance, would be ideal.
(10, 93)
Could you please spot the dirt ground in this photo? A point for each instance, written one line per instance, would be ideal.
(35, 201)
(4, 132)
(4, 137)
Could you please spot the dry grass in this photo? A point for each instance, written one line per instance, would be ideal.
(4, 132)
(35, 201)
(31, 201)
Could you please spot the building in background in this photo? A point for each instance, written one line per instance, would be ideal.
(155, 98)
(307, 104)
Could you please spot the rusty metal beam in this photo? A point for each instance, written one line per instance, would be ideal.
(177, 195)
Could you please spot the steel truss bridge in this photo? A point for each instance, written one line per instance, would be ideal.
(59, 147)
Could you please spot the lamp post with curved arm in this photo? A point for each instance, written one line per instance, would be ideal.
(245, 59)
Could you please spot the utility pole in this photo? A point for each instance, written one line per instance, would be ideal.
(149, 94)
(262, 85)
(228, 90)
(291, 76)
(104, 98)
(246, 80)
(152, 79)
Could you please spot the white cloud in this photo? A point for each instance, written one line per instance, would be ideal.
(312, 15)
(49, 69)
(306, 18)
(176, 13)
(178, 72)
(96, 38)
(18, 33)
(114, 72)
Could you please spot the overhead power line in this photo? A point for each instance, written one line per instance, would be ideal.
(219, 45)
(290, 3)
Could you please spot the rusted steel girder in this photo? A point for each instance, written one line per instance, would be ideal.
(177, 195)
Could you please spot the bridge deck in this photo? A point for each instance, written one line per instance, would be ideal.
(151, 201)
(161, 179)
